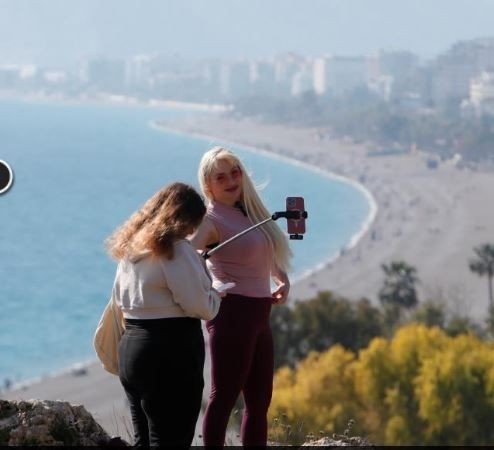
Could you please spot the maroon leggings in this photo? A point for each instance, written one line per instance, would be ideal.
(241, 347)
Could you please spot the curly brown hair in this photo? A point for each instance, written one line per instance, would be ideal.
(170, 214)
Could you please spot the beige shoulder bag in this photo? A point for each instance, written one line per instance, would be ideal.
(108, 333)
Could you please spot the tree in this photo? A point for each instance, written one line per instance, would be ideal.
(482, 265)
(455, 395)
(385, 380)
(436, 314)
(398, 291)
(319, 323)
(420, 387)
(285, 336)
(430, 314)
(318, 397)
(462, 325)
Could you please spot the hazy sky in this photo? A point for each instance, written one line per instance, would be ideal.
(63, 31)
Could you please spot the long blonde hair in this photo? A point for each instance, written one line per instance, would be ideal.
(166, 217)
(254, 207)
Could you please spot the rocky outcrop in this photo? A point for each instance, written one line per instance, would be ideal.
(46, 422)
(339, 441)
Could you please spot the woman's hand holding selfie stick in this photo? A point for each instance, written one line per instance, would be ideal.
(295, 215)
(295, 220)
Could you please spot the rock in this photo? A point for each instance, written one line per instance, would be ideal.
(79, 370)
(339, 441)
(45, 422)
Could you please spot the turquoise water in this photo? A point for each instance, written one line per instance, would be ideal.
(80, 170)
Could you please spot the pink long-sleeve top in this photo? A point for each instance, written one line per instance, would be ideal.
(248, 260)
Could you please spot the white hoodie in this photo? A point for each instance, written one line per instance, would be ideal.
(156, 288)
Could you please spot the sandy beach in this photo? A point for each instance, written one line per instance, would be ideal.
(430, 218)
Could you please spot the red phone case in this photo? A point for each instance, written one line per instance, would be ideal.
(295, 204)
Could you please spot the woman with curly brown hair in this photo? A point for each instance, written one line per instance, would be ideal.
(163, 289)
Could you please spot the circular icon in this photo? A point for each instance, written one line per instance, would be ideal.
(6, 177)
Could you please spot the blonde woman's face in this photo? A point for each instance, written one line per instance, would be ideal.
(225, 182)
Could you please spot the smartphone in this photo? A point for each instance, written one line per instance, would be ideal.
(295, 226)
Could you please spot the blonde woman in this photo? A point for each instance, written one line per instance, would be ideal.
(163, 289)
(240, 337)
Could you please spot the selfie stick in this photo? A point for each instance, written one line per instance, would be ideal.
(296, 215)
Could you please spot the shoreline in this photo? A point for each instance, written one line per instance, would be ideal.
(77, 382)
(431, 219)
(105, 99)
(74, 369)
(353, 241)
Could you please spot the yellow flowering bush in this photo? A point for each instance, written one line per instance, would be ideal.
(420, 387)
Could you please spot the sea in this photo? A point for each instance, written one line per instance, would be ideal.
(80, 170)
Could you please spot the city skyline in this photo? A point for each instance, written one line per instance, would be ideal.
(55, 32)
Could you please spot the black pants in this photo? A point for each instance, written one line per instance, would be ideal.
(161, 366)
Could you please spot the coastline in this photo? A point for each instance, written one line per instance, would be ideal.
(431, 219)
(105, 99)
(428, 218)
(82, 365)
(366, 224)
(101, 393)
